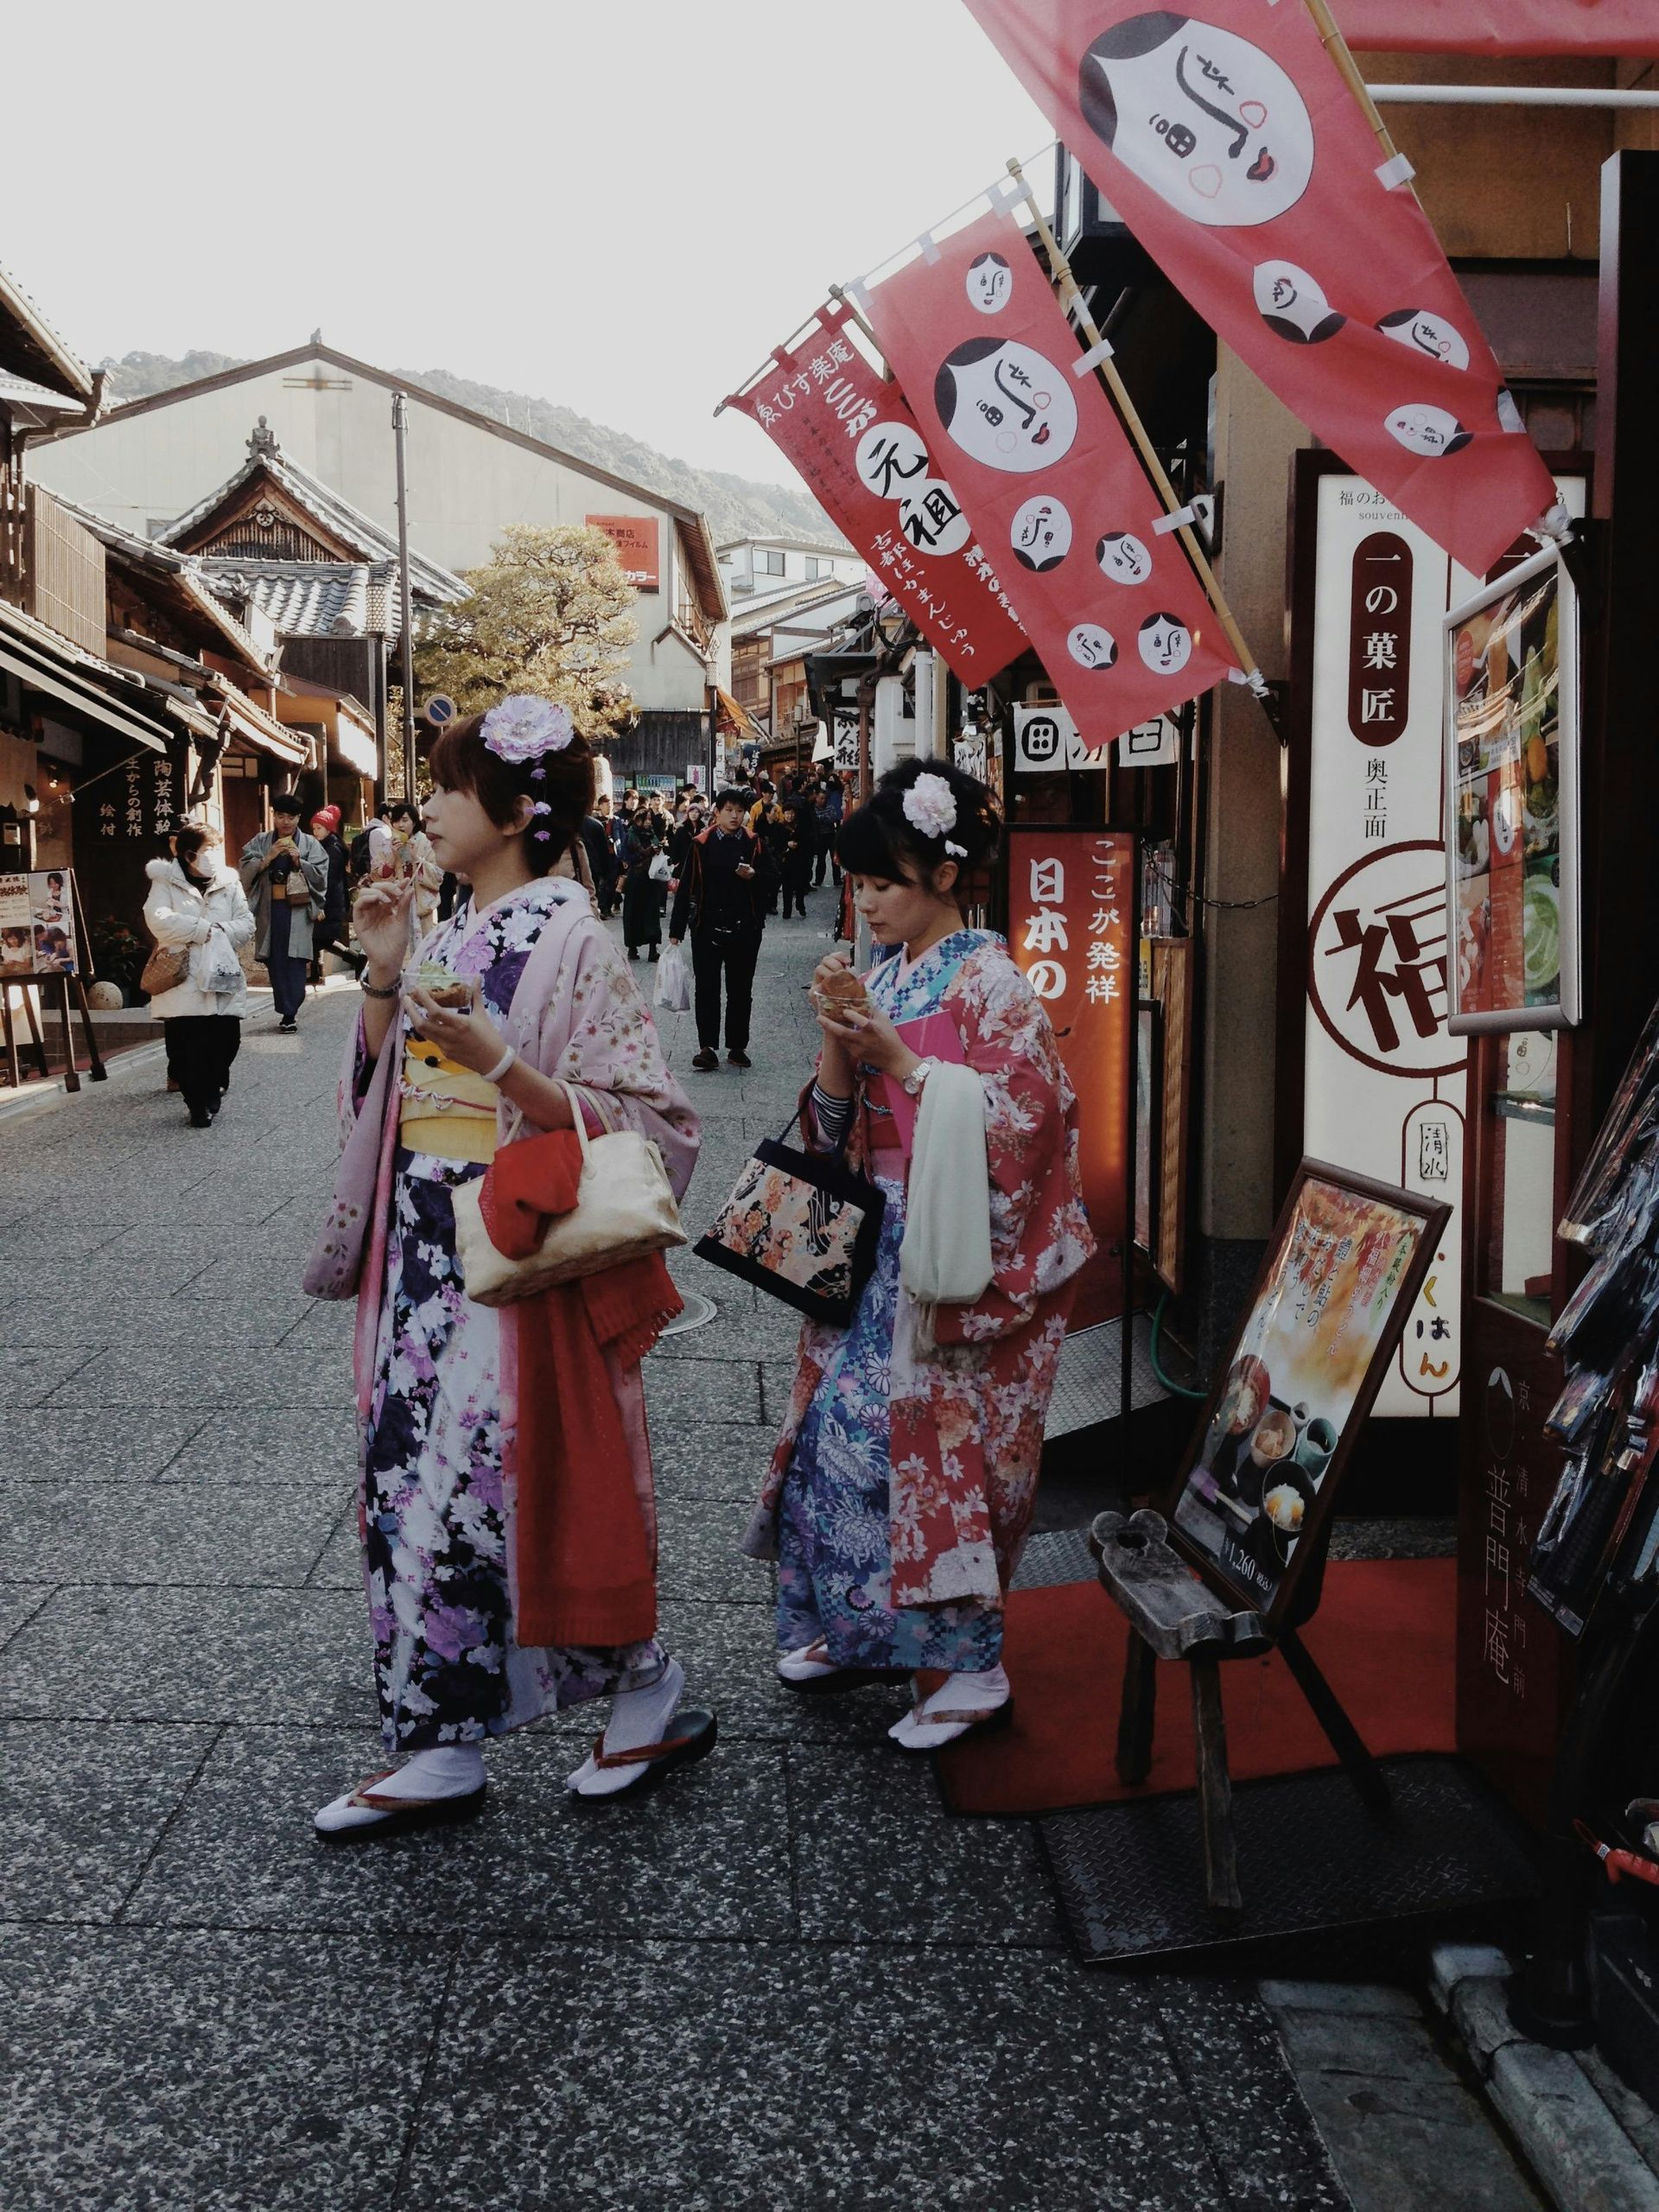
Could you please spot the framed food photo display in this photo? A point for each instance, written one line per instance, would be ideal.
(1344, 1267)
(1512, 802)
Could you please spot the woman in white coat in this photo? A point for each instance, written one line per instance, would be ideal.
(197, 905)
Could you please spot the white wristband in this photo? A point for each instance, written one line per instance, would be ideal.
(506, 1060)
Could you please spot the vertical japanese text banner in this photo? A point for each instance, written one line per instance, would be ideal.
(1231, 146)
(850, 435)
(1047, 477)
(1070, 914)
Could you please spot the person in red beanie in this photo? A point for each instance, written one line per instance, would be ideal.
(333, 932)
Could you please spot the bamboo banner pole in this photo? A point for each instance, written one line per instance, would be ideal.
(1336, 46)
(1071, 297)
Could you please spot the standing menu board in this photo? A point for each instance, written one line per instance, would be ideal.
(37, 925)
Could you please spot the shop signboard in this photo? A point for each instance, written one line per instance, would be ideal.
(1347, 1260)
(37, 925)
(1071, 925)
(1384, 1077)
(1511, 784)
(1047, 478)
(636, 539)
(851, 433)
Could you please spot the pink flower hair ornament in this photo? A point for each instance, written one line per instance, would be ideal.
(523, 728)
(931, 806)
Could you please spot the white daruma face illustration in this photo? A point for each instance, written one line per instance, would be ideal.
(1124, 558)
(990, 284)
(1209, 122)
(1430, 335)
(1165, 644)
(1041, 534)
(1428, 431)
(1091, 647)
(1006, 404)
(1293, 306)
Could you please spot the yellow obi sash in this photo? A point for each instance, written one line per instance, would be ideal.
(446, 1109)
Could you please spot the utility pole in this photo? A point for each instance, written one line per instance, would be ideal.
(400, 434)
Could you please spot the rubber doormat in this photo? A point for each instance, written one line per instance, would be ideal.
(1313, 1864)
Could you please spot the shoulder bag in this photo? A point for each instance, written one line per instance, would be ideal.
(625, 1209)
(802, 1226)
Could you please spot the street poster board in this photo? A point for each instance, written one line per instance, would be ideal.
(37, 925)
(1511, 785)
(1070, 930)
(1345, 1260)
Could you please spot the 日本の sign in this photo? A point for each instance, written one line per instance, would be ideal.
(1071, 915)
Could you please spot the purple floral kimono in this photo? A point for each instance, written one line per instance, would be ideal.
(436, 1394)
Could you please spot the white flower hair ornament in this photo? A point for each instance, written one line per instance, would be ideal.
(523, 728)
(931, 806)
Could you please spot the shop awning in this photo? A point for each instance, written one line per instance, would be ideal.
(29, 652)
(740, 717)
(257, 726)
(353, 741)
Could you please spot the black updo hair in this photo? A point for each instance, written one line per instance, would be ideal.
(878, 838)
(460, 761)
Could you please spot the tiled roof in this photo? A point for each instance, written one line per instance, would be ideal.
(315, 599)
(337, 516)
(30, 347)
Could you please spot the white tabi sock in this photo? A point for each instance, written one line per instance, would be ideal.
(931, 1724)
(808, 1663)
(447, 1771)
(637, 1718)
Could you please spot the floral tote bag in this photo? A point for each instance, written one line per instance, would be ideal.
(802, 1226)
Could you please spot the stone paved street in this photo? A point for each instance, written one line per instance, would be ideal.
(789, 1980)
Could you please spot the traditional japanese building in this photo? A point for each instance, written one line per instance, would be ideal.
(328, 418)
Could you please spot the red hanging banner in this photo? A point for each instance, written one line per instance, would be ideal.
(1233, 148)
(851, 436)
(1047, 476)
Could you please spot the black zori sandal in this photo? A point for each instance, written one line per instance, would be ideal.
(696, 1739)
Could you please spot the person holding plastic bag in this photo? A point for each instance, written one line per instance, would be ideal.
(197, 908)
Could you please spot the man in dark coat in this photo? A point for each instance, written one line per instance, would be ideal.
(722, 900)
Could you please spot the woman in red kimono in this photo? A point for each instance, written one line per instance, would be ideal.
(901, 1490)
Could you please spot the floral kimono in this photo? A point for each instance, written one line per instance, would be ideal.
(435, 1392)
(901, 1490)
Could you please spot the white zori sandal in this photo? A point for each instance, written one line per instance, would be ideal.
(432, 1790)
(811, 1670)
(961, 1703)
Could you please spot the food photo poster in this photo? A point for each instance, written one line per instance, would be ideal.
(1512, 777)
(1345, 1263)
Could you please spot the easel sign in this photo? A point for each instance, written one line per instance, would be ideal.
(42, 941)
(37, 925)
(1344, 1267)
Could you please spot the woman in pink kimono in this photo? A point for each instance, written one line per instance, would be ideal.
(519, 993)
(901, 1490)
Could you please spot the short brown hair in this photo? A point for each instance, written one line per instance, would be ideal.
(460, 761)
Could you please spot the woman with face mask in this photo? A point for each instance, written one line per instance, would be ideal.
(197, 907)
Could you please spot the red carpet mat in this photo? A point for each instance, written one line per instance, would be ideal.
(1383, 1637)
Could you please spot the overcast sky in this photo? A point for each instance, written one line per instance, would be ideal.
(621, 206)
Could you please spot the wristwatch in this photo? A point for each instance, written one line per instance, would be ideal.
(917, 1078)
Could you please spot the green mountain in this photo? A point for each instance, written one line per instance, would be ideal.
(736, 506)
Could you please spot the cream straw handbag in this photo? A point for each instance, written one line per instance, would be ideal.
(624, 1208)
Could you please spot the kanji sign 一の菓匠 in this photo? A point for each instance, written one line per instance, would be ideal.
(852, 438)
(1230, 145)
(1071, 919)
(1049, 480)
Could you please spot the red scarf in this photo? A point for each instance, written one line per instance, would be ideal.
(586, 1571)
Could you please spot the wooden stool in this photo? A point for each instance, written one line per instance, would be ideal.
(1172, 1615)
